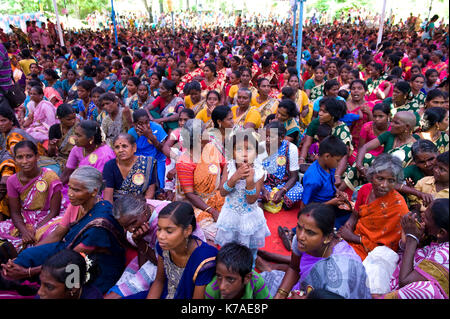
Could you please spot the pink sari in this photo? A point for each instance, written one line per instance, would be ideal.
(44, 117)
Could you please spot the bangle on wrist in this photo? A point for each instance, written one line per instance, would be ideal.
(412, 236)
(207, 208)
(282, 292)
(250, 192)
(360, 239)
(284, 189)
(227, 188)
(29, 272)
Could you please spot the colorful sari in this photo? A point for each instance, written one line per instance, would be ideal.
(353, 179)
(277, 167)
(251, 115)
(316, 92)
(188, 77)
(35, 198)
(96, 229)
(7, 168)
(265, 108)
(203, 179)
(140, 177)
(441, 142)
(113, 128)
(432, 263)
(357, 125)
(373, 85)
(217, 86)
(44, 117)
(292, 126)
(15, 136)
(379, 221)
(198, 107)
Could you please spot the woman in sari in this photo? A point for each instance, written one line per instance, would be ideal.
(378, 209)
(244, 115)
(434, 126)
(264, 104)
(399, 100)
(61, 136)
(11, 133)
(330, 112)
(245, 82)
(192, 71)
(212, 81)
(128, 173)
(87, 226)
(435, 98)
(417, 97)
(166, 108)
(186, 264)
(139, 217)
(304, 107)
(69, 85)
(89, 149)
(281, 165)
(7, 169)
(193, 97)
(356, 104)
(314, 86)
(422, 271)
(198, 177)
(314, 241)
(132, 98)
(287, 115)
(42, 115)
(378, 88)
(34, 198)
(120, 87)
(398, 142)
(212, 100)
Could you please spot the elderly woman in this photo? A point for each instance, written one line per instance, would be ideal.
(378, 209)
(422, 271)
(199, 170)
(398, 142)
(87, 226)
(139, 217)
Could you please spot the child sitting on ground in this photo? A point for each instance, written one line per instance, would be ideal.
(235, 278)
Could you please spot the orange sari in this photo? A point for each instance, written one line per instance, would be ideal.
(379, 221)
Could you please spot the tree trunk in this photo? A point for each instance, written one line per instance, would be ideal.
(161, 6)
(148, 7)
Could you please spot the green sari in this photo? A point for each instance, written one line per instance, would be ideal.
(317, 92)
(353, 179)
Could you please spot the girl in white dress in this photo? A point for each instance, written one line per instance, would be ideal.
(241, 220)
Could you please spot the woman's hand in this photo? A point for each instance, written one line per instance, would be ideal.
(426, 198)
(305, 111)
(278, 196)
(214, 213)
(362, 170)
(140, 232)
(345, 233)
(14, 271)
(410, 225)
(28, 236)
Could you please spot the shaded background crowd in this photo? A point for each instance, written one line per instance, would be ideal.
(97, 161)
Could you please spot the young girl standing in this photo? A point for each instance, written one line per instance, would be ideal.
(241, 219)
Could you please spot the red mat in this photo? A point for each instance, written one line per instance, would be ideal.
(285, 218)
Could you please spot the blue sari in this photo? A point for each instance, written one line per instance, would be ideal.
(111, 265)
(199, 271)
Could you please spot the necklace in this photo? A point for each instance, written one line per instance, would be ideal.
(326, 248)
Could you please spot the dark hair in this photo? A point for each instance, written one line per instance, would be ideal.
(287, 92)
(440, 210)
(38, 89)
(108, 96)
(25, 144)
(397, 71)
(92, 129)
(56, 266)
(244, 135)
(8, 113)
(363, 83)
(138, 114)
(260, 81)
(323, 215)
(98, 89)
(329, 85)
(403, 87)
(424, 146)
(269, 118)
(170, 86)
(190, 113)
(432, 116)
(333, 146)
(193, 85)
(383, 107)
(219, 114)
(212, 67)
(64, 110)
(237, 258)
(430, 72)
(323, 294)
(213, 92)
(432, 94)
(135, 80)
(52, 73)
(290, 106)
(181, 213)
(281, 130)
(343, 94)
(378, 67)
(130, 138)
(324, 130)
(336, 108)
(443, 158)
(88, 85)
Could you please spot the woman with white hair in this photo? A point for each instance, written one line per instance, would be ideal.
(378, 209)
(397, 142)
(139, 217)
(87, 227)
